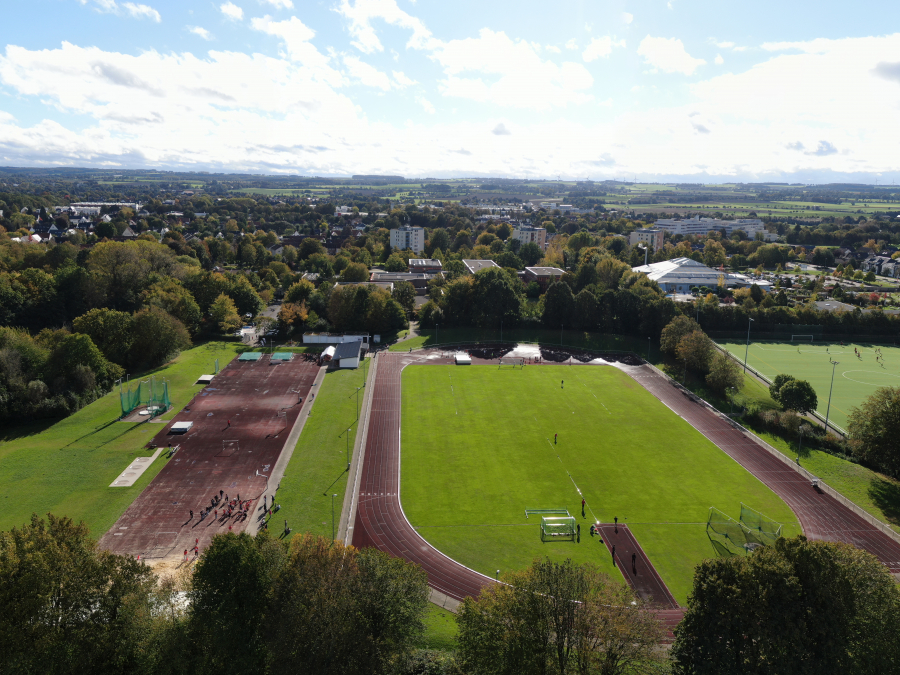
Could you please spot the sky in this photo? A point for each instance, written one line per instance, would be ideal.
(647, 90)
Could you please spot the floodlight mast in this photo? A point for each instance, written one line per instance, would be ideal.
(747, 350)
(830, 389)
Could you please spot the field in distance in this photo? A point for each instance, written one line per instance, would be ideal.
(478, 449)
(856, 376)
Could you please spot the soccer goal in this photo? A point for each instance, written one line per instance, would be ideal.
(546, 512)
(556, 528)
(802, 338)
(511, 362)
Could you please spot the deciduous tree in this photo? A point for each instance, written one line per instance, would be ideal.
(874, 429)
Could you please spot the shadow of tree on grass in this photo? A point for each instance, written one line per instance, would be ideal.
(886, 496)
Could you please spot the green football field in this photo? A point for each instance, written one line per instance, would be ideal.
(478, 449)
(855, 376)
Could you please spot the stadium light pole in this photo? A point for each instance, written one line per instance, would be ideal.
(332, 517)
(648, 350)
(830, 389)
(747, 350)
(560, 334)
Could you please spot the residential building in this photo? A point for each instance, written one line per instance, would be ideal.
(425, 266)
(882, 265)
(408, 237)
(698, 225)
(528, 234)
(654, 238)
(542, 275)
(473, 266)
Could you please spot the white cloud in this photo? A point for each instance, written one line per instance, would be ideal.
(279, 4)
(599, 47)
(627, 18)
(232, 11)
(362, 13)
(722, 45)
(202, 32)
(401, 80)
(234, 112)
(553, 49)
(668, 55)
(572, 44)
(135, 10)
(367, 74)
(426, 104)
(296, 36)
(142, 11)
(508, 72)
(719, 60)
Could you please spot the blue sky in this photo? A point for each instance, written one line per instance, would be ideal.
(657, 89)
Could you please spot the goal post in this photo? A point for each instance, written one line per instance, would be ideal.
(512, 362)
(547, 512)
(802, 338)
(557, 528)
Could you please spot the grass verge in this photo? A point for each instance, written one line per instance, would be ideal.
(318, 467)
(440, 629)
(66, 467)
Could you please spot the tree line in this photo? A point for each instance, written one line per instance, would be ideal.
(264, 605)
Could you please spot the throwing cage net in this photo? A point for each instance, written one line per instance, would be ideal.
(150, 393)
(557, 528)
(762, 526)
(512, 362)
(730, 537)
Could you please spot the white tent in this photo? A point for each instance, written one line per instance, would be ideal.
(463, 359)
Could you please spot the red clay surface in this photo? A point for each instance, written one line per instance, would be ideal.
(261, 401)
(380, 521)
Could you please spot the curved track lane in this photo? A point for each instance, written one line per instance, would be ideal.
(380, 521)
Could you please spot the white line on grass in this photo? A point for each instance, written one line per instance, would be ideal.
(594, 395)
(577, 489)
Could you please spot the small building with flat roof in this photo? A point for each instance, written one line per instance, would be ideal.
(473, 266)
(425, 266)
(542, 275)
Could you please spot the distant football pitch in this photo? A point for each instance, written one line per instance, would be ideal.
(855, 377)
(477, 450)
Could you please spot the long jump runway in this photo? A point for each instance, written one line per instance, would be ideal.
(261, 400)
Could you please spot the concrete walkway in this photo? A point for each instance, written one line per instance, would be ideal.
(286, 453)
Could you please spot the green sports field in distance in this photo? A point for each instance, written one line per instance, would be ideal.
(477, 450)
(855, 377)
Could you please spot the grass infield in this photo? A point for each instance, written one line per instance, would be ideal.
(855, 378)
(318, 467)
(477, 450)
(65, 467)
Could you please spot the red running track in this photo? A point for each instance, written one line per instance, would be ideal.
(380, 521)
(261, 401)
(821, 515)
